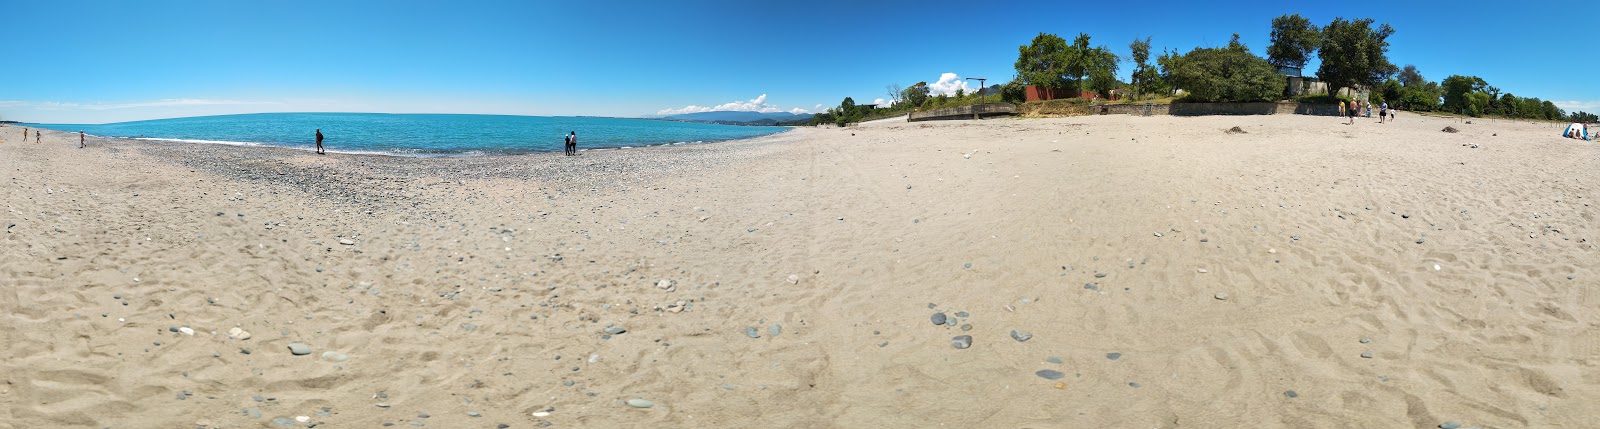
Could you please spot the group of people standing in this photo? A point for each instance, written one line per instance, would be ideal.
(1355, 108)
(37, 138)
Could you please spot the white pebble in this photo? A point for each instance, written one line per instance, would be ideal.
(302, 419)
(186, 330)
(1436, 267)
(541, 414)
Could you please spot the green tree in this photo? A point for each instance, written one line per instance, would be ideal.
(1456, 88)
(916, 94)
(1229, 74)
(1353, 53)
(1294, 38)
(1410, 76)
(960, 92)
(847, 112)
(1552, 112)
(1044, 62)
(1146, 79)
(1390, 91)
(1014, 91)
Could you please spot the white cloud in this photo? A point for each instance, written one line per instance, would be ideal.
(948, 84)
(817, 108)
(758, 104)
(798, 111)
(881, 103)
(1578, 105)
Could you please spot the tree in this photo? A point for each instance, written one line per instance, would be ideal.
(1101, 66)
(1229, 74)
(1354, 54)
(916, 94)
(847, 112)
(1146, 79)
(1293, 40)
(1044, 62)
(961, 92)
(1410, 76)
(1456, 88)
(895, 92)
(1390, 91)
(1014, 91)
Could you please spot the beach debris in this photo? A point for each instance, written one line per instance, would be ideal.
(186, 331)
(794, 279)
(1021, 336)
(300, 349)
(1236, 130)
(1049, 374)
(961, 342)
(640, 403)
(1221, 296)
(1061, 385)
(938, 318)
(1450, 129)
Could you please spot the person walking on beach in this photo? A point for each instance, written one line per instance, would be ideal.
(572, 143)
(24, 135)
(1352, 112)
(319, 143)
(36, 137)
(80, 139)
(1383, 112)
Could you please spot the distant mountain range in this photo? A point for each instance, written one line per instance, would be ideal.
(750, 118)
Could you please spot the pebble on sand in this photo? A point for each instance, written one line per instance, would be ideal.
(774, 330)
(1221, 296)
(1022, 336)
(961, 342)
(347, 242)
(299, 349)
(1450, 425)
(1291, 394)
(794, 279)
(1049, 374)
(1113, 355)
(752, 332)
(640, 403)
(1366, 355)
(938, 318)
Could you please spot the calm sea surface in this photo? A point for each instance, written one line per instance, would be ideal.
(419, 134)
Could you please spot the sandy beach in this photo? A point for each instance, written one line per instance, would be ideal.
(1111, 271)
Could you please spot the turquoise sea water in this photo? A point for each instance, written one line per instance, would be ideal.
(419, 134)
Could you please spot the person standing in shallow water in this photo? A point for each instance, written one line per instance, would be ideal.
(572, 143)
(319, 143)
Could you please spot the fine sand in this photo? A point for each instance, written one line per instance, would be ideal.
(1222, 270)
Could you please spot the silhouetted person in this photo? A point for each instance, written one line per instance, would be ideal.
(24, 135)
(319, 143)
(36, 138)
(572, 143)
(80, 139)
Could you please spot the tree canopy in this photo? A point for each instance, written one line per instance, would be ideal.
(1049, 62)
(1353, 53)
(1293, 40)
(1146, 79)
(1228, 74)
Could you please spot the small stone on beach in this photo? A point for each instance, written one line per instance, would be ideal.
(938, 318)
(299, 349)
(640, 403)
(1221, 296)
(1021, 336)
(752, 332)
(1049, 374)
(961, 342)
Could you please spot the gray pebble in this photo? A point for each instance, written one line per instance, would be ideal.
(1091, 286)
(774, 330)
(423, 415)
(938, 318)
(172, 328)
(1405, 216)
(615, 330)
(640, 403)
(752, 332)
(961, 342)
(1291, 394)
(961, 314)
(1221, 296)
(473, 414)
(1133, 385)
(966, 327)
(1049, 374)
(968, 265)
(1113, 356)
(502, 426)
(1022, 336)
(883, 344)
(1367, 355)
(284, 421)
(299, 349)
(1365, 340)
(1053, 359)
(1099, 275)
(568, 383)
(1450, 425)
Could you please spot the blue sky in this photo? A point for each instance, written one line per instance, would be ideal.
(76, 61)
